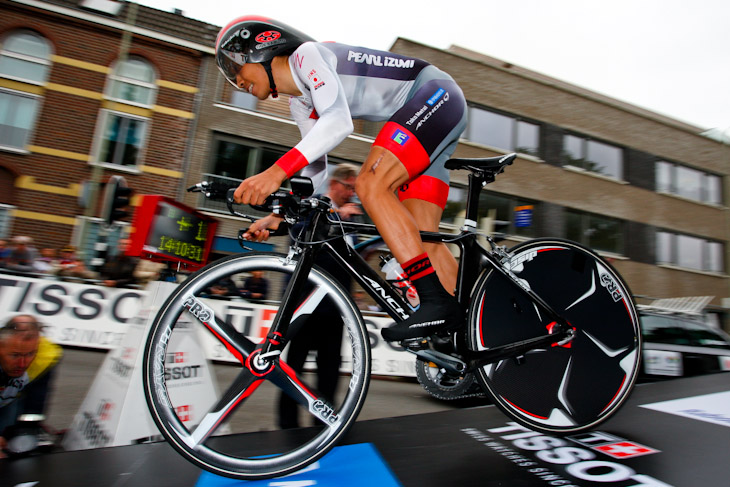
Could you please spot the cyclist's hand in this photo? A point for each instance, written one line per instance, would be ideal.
(259, 230)
(255, 190)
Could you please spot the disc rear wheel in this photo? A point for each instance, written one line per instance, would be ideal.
(563, 388)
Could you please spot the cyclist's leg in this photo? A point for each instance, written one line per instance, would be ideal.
(404, 149)
(381, 174)
(426, 197)
(428, 217)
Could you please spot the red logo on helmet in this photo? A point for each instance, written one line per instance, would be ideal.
(268, 36)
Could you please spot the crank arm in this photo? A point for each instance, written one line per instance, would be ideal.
(451, 364)
(516, 349)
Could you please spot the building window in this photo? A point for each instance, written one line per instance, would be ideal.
(688, 183)
(6, 220)
(593, 156)
(25, 55)
(502, 131)
(133, 81)
(18, 113)
(232, 160)
(239, 159)
(689, 252)
(595, 231)
(122, 139)
(497, 213)
(122, 135)
(244, 100)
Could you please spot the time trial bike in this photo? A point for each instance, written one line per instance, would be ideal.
(551, 334)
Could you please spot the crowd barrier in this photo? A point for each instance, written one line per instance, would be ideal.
(91, 316)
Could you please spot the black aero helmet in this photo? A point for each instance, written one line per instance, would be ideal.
(253, 39)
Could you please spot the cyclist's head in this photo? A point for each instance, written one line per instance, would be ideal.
(253, 39)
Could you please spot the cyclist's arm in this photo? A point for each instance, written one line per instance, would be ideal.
(322, 113)
(317, 169)
(261, 229)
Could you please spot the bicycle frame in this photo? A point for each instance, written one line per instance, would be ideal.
(390, 300)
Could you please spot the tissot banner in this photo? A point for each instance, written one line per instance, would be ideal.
(97, 317)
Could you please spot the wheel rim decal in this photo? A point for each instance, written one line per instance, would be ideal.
(587, 293)
(523, 410)
(230, 347)
(293, 376)
(607, 351)
(196, 438)
(610, 403)
(481, 322)
(548, 249)
(562, 390)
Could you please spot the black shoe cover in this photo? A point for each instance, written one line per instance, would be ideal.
(431, 318)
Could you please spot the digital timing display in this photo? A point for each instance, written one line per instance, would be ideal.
(178, 234)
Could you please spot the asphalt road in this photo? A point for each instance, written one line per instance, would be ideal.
(387, 397)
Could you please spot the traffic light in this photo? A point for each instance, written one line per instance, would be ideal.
(116, 200)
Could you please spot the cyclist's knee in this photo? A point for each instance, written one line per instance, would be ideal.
(370, 185)
(381, 174)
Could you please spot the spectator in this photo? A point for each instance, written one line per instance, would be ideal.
(27, 361)
(71, 267)
(322, 332)
(4, 252)
(256, 286)
(48, 262)
(118, 271)
(148, 271)
(222, 289)
(23, 255)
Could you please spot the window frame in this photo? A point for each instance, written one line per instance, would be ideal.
(513, 128)
(113, 78)
(668, 243)
(31, 131)
(103, 120)
(585, 219)
(46, 62)
(581, 163)
(663, 168)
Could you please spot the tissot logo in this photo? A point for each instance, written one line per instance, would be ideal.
(612, 446)
(625, 449)
(557, 461)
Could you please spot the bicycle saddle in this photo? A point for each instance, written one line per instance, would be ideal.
(494, 165)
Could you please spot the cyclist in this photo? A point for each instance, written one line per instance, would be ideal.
(403, 184)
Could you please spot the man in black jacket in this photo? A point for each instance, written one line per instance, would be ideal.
(322, 333)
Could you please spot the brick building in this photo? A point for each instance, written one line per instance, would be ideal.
(91, 89)
(645, 190)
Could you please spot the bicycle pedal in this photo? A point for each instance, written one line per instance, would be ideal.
(414, 344)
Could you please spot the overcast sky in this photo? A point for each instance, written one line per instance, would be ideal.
(669, 56)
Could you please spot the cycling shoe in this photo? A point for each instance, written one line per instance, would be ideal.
(431, 318)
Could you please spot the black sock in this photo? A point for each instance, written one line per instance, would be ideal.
(423, 276)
